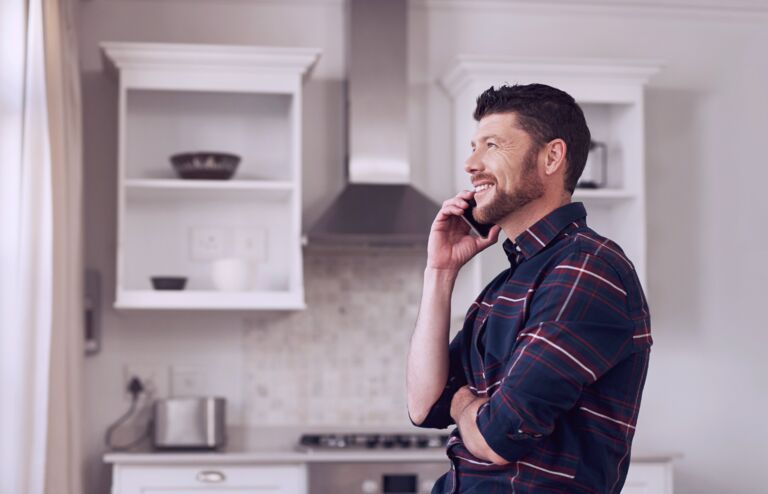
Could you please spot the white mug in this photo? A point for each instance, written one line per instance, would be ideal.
(231, 274)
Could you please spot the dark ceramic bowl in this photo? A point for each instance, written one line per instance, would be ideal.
(168, 282)
(209, 165)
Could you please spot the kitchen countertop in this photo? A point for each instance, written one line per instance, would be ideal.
(279, 445)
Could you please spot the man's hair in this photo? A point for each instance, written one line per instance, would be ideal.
(545, 113)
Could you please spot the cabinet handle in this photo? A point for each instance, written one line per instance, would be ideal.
(211, 477)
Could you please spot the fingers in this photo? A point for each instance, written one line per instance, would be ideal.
(459, 200)
(456, 205)
(466, 194)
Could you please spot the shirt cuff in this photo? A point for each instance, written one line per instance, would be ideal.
(510, 445)
(439, 416)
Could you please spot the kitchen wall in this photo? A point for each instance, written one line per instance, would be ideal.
(341, 361)
(707, 386)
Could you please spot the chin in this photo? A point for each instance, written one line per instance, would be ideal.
(485, 207)
(483, 215)
(500, 207)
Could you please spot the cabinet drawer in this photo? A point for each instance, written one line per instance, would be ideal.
(209, 479)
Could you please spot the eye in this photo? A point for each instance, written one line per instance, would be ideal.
(491, 144)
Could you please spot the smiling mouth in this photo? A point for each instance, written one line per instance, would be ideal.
(480, 189)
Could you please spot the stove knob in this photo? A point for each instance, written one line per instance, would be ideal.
(372, 441)
(404, 441)
(370, 486)
(310, 440)
(434, 442)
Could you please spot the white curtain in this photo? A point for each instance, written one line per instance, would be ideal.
(64, 458)
(40, 249)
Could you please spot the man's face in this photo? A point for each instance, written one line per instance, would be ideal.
(503, 165)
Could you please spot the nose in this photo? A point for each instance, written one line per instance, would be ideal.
(473, 163)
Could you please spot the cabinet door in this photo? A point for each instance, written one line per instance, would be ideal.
(648, 478)
(210, 479)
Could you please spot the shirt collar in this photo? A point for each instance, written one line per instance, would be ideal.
(544, 231)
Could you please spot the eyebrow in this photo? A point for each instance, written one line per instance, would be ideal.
(486, 137)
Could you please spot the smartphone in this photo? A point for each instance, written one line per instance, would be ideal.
(480, 229)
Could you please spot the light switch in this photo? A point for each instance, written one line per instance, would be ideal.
(251, 243)
(207, 243)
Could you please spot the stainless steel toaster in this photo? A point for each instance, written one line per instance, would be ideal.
(189, 423)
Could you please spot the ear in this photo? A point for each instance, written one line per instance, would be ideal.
(555, 152)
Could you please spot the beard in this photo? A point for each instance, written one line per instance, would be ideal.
(529, 188)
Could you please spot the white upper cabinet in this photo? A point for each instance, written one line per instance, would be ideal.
(611, 95)
(237, 241)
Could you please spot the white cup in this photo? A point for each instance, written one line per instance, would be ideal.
(231, 274)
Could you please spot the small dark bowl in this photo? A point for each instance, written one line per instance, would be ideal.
(168, 282)
(208, 165)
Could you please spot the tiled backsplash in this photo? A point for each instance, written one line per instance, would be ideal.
(341, 361)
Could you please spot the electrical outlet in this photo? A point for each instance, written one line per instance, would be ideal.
(207, 243)
(251, 243)
(154, 378)
(188, 380)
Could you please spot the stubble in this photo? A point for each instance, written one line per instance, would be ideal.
(529, 188)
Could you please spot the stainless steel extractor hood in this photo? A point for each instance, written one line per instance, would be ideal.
(378, 206)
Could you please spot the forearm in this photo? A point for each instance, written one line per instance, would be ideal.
(470, 434)
(427, 370)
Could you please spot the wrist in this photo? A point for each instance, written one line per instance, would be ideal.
(440, 275)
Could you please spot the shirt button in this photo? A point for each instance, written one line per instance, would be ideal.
(517, 248)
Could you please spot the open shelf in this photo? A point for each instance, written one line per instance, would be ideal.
(256, 127)
(603, 195)
(243, 100)
(207, 299)
(610, 94)
(159, 230)
(221, 189)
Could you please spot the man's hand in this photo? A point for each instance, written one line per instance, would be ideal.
(450, 244)
(461, 400)
(464, 406)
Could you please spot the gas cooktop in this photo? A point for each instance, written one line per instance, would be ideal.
(372, 441)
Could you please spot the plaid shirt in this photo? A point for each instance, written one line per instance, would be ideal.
(559, 342)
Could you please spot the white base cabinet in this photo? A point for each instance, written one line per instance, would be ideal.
(209, 479)
(649, 478)
(644, 477)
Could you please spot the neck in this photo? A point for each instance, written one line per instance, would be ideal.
(522, 219)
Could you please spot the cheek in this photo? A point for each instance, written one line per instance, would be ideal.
(509, 178)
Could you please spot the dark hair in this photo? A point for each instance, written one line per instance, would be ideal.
(545, 113)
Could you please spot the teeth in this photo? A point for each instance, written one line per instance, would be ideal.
(483, 187)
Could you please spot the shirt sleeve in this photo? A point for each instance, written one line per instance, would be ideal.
(439, 416)
(579, 327)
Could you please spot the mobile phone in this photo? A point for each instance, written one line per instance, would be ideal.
(481, 229)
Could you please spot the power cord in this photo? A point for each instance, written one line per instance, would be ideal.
(135, 387)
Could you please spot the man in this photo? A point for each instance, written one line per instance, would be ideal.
(544, 379)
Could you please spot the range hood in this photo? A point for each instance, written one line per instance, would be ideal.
(378, 206)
